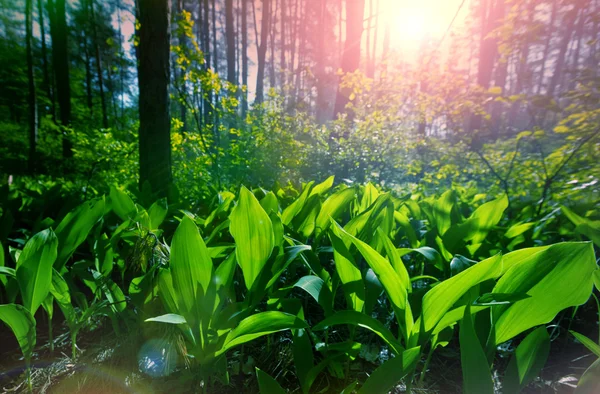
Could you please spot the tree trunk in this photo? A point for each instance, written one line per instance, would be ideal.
(32, 100)
(244, 34)
(282, 63)
(262, 50)
(273, 27)
(230, 38)
(60, 60)
(546, 52)
(47, 82)
(372, 63)
(570, 18)
(215, 55)
(355, 10)
(153, 76)
(322, 107)
(88, 76)
(99, 65)
(182, 43)
(206, 32)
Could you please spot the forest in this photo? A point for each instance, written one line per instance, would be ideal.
(300, 196)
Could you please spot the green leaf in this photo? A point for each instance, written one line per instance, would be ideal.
(316, 287)
(157, 213)
(477, 377)
(442, 297)
(388, 374)
(518, 229)
(349, 274)
(294, 208)
(266, 384)
(258, 325)
(555, 278)
(323, 187)
(191, 265)
(22, 324)
(442, 209)
(584, 226)
(252, 230)
(527, 361)
(8, 272)
(360, 319)
(588, 343)
(34, 269)
(169, 318)
(74, 229)
(490, 299)
(122, 204)
(589, 383)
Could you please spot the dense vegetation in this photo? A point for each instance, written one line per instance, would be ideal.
(326, 215)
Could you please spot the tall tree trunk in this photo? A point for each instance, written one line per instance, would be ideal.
(215, 55)
(570, 18)
(262, 50)
(182, 41)
(153, 76)
(244, 33)
(282, 64)
(47, 82)
(547, 45)
(272, 34)
(322, 107)
(32, 100)
(88, 75)
(98, 65)
(60, 60)
(355, 10)
(230, 38)
(206, 32)
(372, 63)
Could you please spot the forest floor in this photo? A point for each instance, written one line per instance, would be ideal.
(110, 363)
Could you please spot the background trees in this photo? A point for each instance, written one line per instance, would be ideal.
(413, 91)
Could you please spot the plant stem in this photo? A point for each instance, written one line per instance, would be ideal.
(28, 373)
(427, 360)
(73, 346)
(50, 336)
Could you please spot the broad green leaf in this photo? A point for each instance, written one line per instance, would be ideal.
(490, 299)
(527, 361)
(518, 229)
(270, 203)
(408, 229)
(360, 319)
(442, 297)
(294, 208)
(304, 222)
(395, 258)
(589, 383)
(191, 265)
(477, 377)
(316, 287)
(122, 204)
(555, 279)
(587, 342)
(61, 293)
(8, 272)
(22, 324)
(266, 384)
(74, 229)
(3, 269)
(252, 230)
(157, 213)
(388, 374)
(430, 254)
(34, 269)
(323, 187)
(584, 226)
(167, 292)
(169, 318)
(442, 209)
(454, 315)
(349, 274)
(370, 194)
(258, 325)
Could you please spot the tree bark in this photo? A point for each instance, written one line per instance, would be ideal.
(262, 50)
(153, 76)
(60, 60)
(230, 38)
(355, 10)
(32, 99)
(99, 65)
(47, 82)
(244, 34)
(570, 18)
(215, 55)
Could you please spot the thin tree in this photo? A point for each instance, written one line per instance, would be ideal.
(261, 50)
(230, 38)
(47, 82)
(244, 33)
(98, 65)
(32, 100)
(60, 60)
(153, 77)
(355, 10)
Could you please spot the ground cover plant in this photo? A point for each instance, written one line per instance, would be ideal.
(333, 270)
(301, 196)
